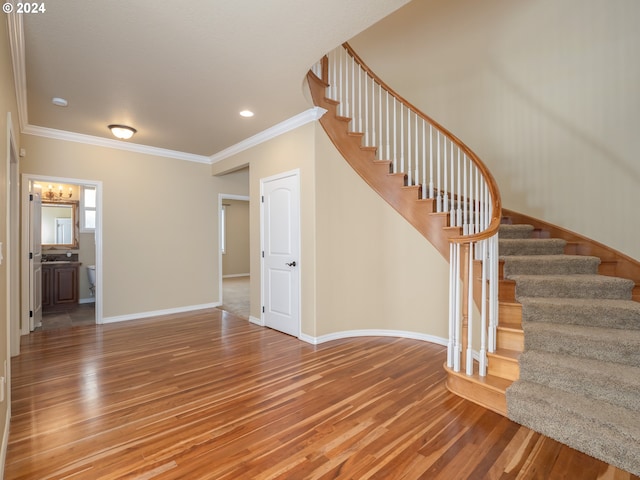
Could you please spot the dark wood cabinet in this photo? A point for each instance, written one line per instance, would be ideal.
(60, 288)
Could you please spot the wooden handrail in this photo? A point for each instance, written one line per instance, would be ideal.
(496, 214)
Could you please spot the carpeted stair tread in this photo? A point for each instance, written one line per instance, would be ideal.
(608, 432)
(606, 344)
(608, 313)
(612, 383)
(531, 246)
(520, 230)
(549, 264)
(573, 286)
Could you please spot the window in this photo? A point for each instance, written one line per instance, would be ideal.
(88, 209)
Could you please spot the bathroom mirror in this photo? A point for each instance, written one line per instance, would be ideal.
(60, 225)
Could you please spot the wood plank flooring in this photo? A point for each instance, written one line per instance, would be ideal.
(208, 395)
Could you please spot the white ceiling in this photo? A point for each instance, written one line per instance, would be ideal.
(179, 72)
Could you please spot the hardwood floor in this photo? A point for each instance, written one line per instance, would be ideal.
(210, 396)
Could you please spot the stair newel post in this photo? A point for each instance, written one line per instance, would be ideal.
(458, 311)
(325, 68)
(452, 309)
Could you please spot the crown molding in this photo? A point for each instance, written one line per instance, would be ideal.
(109, 143)
(292, 123)
(17, 45)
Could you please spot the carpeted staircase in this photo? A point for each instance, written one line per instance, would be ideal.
(580, 370)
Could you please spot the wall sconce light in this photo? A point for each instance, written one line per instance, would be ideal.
(51, 195)
(122, 132)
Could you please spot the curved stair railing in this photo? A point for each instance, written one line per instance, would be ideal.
(448, 177)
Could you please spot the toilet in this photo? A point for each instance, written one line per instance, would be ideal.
(91, 272)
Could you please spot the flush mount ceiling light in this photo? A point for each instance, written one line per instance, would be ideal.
(246, 113)
(122, 132)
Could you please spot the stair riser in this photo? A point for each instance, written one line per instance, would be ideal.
(503, 367)
(510, 339)
(486, 397)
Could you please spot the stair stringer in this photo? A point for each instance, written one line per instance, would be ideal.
(376, 173)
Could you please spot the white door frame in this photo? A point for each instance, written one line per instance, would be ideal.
(221, 197)
(295, 173)
(13, 243)
(26, 178)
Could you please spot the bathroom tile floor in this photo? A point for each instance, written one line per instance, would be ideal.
(83, 314)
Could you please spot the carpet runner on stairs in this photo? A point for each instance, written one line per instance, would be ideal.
(580, 372)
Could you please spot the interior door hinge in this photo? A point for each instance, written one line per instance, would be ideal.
(31, 197)
(262, 199)
(262, 253)
(30, 313)
(30, 255)
(262, 309)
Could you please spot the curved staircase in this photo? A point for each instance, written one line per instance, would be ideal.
(565, 357)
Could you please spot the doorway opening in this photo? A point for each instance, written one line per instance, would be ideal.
(234, 254)
(68, 294)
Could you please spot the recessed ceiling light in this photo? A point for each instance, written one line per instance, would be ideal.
(246, 113)
(60, 102)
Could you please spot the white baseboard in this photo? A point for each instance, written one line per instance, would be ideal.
(5, 437)
(256, 320)
(372, 333)
(157, 313)
(234, 275)
(87, 300)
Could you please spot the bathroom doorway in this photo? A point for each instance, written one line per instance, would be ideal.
(234, 254)
(84, 248)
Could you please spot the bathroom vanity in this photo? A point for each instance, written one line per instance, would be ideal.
(60, 285)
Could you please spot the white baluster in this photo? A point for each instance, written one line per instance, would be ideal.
(366, 110)
(425, 194)
(438, 163)
(470, 313)
(431, 192)
(460, 196)
(416, 175)
(401, 114)
(409, 159)
(482, 369)
(445, 180)
(388, 127)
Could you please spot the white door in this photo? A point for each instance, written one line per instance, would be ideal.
(281, 253)
(35, 261)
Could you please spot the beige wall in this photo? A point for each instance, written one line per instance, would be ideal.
(546, 92)
(362, 266)
(7, 105)
(160, 232)
(235, 260)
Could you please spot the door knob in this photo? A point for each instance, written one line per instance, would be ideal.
(292, 264)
